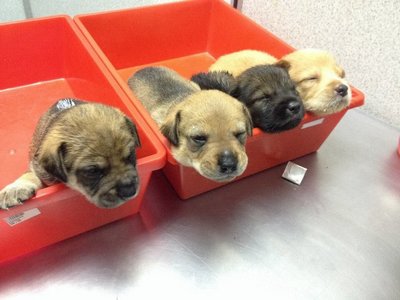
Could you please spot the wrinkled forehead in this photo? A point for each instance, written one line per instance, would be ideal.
(212, 122)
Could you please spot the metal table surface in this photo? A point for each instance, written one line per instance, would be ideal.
(336, 236)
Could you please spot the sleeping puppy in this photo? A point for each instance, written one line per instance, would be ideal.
(238, 62)
(207, 129)
(88, 146)
(266, 90)
(318, 78)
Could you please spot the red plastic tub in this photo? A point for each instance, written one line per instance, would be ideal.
(43, 60)
(188, 37)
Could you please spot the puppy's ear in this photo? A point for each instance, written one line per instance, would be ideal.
(283, 64)
(170, 128)
(54, 162)
(216, 80)
(249, 121)
(133, 131)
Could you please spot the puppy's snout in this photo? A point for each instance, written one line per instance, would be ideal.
(293, 107)
(342, 89)
(126, 190)
(227, 162)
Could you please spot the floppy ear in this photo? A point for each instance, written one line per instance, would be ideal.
(249, 121)
(54, 162)
(283, 64)
(133, 131)
(170, 128)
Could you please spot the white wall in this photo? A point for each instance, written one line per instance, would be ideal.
(364, 35)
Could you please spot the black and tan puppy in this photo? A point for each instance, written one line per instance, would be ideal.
(207, 129)
(266, 90)
(88, 146)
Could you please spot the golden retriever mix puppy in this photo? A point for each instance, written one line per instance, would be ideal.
(319, 79)
(207, 129)
(238, 62)
(88, 146)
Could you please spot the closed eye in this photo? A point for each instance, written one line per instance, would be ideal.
(241, 136)
(92, 172)
(199, 140)
(309, 79)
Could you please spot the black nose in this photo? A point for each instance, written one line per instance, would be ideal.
(126, 190)
(342, 90)
(293, 107)
(227, 162)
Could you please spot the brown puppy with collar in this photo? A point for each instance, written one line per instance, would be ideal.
(88, 146)
(318, 78)
(207, 129)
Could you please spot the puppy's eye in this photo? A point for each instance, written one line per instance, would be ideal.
(311, 78)
(199, 140)
(92, 172)
(241, 136)
(265, 97)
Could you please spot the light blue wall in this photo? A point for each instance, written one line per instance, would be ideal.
(364, 35)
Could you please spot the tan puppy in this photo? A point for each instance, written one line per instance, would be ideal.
(318, 78)
(238, 62)
(207, 129)
(88, 146)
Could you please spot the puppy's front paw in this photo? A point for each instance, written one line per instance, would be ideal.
(16, 192)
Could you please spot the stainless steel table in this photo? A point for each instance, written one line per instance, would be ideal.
(336, 236)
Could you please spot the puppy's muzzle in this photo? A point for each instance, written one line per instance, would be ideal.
(342, 90)
(126, 190)
(227, 163)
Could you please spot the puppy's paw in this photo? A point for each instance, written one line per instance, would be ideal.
(16, 192)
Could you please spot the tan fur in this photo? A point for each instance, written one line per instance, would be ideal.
(218, 116)
(185, 113)
(237, 62)
(65, 143)
(317, 74)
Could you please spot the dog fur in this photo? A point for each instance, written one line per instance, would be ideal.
(88, 146)
(207, 130)
(237, 62)
(266, 90)
(319, 79)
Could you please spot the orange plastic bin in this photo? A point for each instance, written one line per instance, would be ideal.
(43, 60)
(188, 37)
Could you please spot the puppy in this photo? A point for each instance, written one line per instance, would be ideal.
(207, 129)
(266, 90)
(237, 62)
(319, 80)
(88, 146)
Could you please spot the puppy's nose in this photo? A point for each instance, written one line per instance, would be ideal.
(342, 90)
(126, 190)
(293, 107)
(227, 162)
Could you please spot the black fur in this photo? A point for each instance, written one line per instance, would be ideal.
(133, 131)
(54, 164)
(266, 90)
(216, 80)
(171, 131)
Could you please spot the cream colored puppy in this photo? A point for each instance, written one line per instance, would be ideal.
(238, 62)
